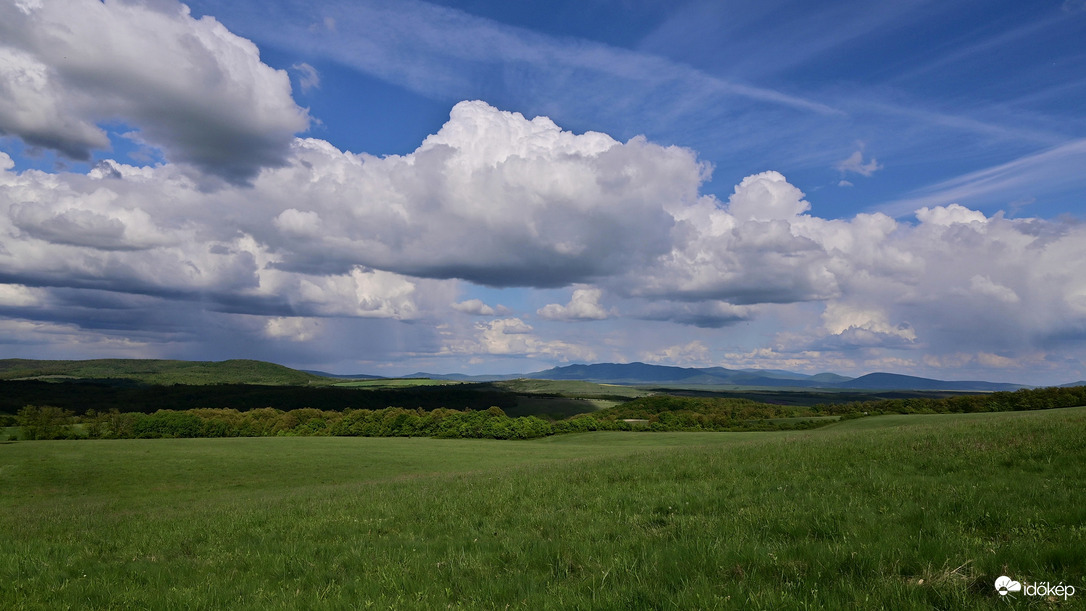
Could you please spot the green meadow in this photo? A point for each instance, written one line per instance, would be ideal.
(886, 512)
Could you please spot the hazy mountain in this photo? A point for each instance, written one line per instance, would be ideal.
(642, 373)
(258, 372)
(829, 378)
(893, 381)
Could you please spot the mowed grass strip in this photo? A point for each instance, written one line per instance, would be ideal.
(897, 512)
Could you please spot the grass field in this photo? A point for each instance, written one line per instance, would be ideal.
(890, 512)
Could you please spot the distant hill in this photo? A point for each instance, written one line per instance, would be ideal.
(642, 374)
(617, 373)
(893, 381)
(154, 371)
(829, 378)
(150, 371)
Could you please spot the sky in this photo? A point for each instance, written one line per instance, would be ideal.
(479, 186)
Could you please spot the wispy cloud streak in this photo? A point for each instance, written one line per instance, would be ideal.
(1055, 167)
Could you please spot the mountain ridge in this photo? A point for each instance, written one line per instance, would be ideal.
(638, 373)
(157, 371)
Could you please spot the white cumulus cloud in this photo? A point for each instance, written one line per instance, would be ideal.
(190, 87)
(498, 199)
(583, 305)
(695, 353)
(514, 337)
(292, 328)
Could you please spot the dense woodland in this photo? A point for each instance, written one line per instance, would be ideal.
(653, 413)
(129, 396)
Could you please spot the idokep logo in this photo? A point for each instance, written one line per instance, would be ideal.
(1005, 585)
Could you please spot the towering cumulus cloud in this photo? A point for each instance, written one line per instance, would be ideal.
(492, 197)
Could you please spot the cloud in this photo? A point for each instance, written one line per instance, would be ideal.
(838, 318)
(151, 233)
(17, 295)
(751, 251)
(476, 307)
(292, 328)
(435, 50)
(766, 197)
(300, 239)
(514, 337)
(849, 326)
(694, 353)
(949, 215)
(499, 199)
(583, 305)
(1051, 169)
(492, 197)
(659, 90)
(816, 361)
(308, 77)
(959, 360)
(984, 286)
(192, 88)
(63, 340)
(855, 164)
(707, 314)
(957, 278)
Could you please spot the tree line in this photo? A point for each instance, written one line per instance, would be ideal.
(653, 413)
(51, 422)
(1002, 401)
(128, 396)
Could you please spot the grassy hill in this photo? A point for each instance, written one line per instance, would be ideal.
(155, 371)
(889, 512)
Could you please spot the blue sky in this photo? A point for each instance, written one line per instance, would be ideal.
(494, 187)
(935, 90)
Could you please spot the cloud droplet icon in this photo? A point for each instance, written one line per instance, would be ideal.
(1005, 584)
